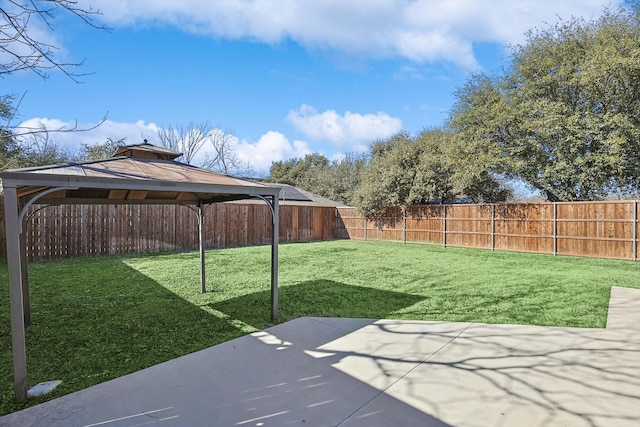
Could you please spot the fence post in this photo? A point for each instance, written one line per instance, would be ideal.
(444, 226)
(404, 226)
(555, 228)
(493, 227)
(365, 228)
(635, 230)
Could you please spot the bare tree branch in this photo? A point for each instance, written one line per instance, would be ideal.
(24, 47)
(187, 140)
(217, 143)
(9, 112)
(24, 131)
(20, 49)
(222, 156)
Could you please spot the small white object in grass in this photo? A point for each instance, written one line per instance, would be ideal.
(43, 388)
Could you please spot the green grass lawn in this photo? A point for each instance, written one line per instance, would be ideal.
(95, 319)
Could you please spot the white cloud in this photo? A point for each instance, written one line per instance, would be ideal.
(418, 30)
(271, 147)
(133, 133)
(352, 131)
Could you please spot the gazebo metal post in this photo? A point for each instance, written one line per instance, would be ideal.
(24, 267)
(18, 340)
(201, 227)
(275, 233)
(274, 257)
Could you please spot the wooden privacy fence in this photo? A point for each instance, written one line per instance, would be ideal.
(90, 230)
(596, 229)
(606, 229)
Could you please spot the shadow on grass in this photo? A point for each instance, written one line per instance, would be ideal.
(323, 298)
(99, 319)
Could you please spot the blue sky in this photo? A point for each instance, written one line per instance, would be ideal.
(285, 77)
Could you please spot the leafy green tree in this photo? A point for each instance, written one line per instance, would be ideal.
(405, 171)
(336, 180)
(344, 177)
(39, 150)
(564, 116)
(312, 173)
(10, 154)
(99, 151)
(282, 172)
(471, 174)
(390, 177)
(298, 172)
(435, 169)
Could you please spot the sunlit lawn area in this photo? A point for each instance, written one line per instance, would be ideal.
(95, 319)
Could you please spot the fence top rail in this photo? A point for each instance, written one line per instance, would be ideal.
(592, 202)
(586, 202)
(605, 202)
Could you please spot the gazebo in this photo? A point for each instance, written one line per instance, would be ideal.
(136, 174)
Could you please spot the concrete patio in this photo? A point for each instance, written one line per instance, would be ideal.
(355, 372)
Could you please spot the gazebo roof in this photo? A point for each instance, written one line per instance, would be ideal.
(144, 175)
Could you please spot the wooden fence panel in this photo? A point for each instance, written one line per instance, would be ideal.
(289, 220)
(91, 230)
(330, 231)
(636, 231)
(599, 229)
(524, 227)
(349, 223)
(219, 227)
(300, 223)
(607, 229)
(424, 224)
(469, 226)
(602, 230)
(305, 223)
(318, 224)
(262, 215)
(386, 227)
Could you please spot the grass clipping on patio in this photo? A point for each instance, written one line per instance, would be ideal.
(96, 319)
